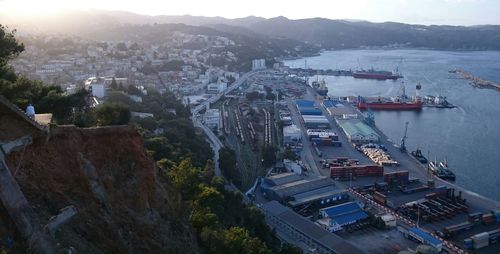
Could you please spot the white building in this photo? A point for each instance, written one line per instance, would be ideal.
(218, 87)
(291, 134)
(97, 86)
(258, 64)
(212, 118)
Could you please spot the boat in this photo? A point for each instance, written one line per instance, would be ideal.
(419, 156)
(441, 170)
(401, 102)
(375, 74)
(322, 89)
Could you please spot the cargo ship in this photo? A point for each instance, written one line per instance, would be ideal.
(441, 170)
(320, 87)
(374, 74)
(401, 102)
(419, 156)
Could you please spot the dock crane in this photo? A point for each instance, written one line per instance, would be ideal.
(402, 147)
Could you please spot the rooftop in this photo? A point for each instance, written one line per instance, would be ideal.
(353, 126)
(310, 196)
(307, 227)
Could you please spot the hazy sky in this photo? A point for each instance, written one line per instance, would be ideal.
(453, 12)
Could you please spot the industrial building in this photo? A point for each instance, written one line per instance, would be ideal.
(338, 216)
(301, 231)
(338, 110)
(316, 122)
(281, 192)
(321, 197)
(357, 131)
(306, 107)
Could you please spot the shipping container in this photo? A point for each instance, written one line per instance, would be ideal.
(494, 236)
(450, 231)
(488, 219)
(475, 217)
(468, 243)
(480, 240)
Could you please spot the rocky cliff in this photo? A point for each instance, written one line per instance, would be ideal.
(124, 204)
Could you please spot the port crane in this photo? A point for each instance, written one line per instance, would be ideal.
(402, 147)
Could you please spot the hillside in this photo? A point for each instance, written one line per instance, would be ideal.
(325, 33)
(340, 34)
(124, 205)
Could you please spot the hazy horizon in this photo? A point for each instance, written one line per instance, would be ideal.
(425, 12)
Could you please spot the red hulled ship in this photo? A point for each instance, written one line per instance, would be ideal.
(401, 102)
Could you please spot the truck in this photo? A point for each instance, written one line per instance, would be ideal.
(421, 236)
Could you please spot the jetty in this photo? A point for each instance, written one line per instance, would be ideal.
(477, 81)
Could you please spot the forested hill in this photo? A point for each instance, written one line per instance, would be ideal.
(325, 33)
(340, 34)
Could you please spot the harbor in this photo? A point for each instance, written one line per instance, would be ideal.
(344, 159)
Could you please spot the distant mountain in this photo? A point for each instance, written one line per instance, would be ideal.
(321, 32)
(341, 34)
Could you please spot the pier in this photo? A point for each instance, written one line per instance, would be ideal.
(477, 81)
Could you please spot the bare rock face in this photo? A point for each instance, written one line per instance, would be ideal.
(124, 205)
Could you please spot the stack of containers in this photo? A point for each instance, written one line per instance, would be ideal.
(481, 240)
(494, 235)
(475, 217)
(452, 230)
(497, 214)
(356, 171)
(401, 177)
(488, 219)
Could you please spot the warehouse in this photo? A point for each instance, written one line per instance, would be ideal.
(321, 197)
(281, 192)
(357, 131)
(306, 107)
(278, 179)
(338, 216)
(301, 231)
(316, 122)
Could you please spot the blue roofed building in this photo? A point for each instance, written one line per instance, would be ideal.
(334, 218)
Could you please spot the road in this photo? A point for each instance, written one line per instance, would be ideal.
(214, 141)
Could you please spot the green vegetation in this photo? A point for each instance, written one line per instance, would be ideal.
(227, 163)
(112, 114)
(269, 155)
(242, 230)
(289, 154)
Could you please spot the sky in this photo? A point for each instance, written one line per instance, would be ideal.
(450, 12)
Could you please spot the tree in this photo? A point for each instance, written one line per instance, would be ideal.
(289, 154)
(290, 249)
(9, 49)
(184, 177)
(227, 163)
(269, 155)
(112, 114)
(113, 84)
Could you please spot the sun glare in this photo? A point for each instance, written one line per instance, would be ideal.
(30, 8)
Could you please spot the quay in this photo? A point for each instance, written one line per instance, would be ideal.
(477, 81)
